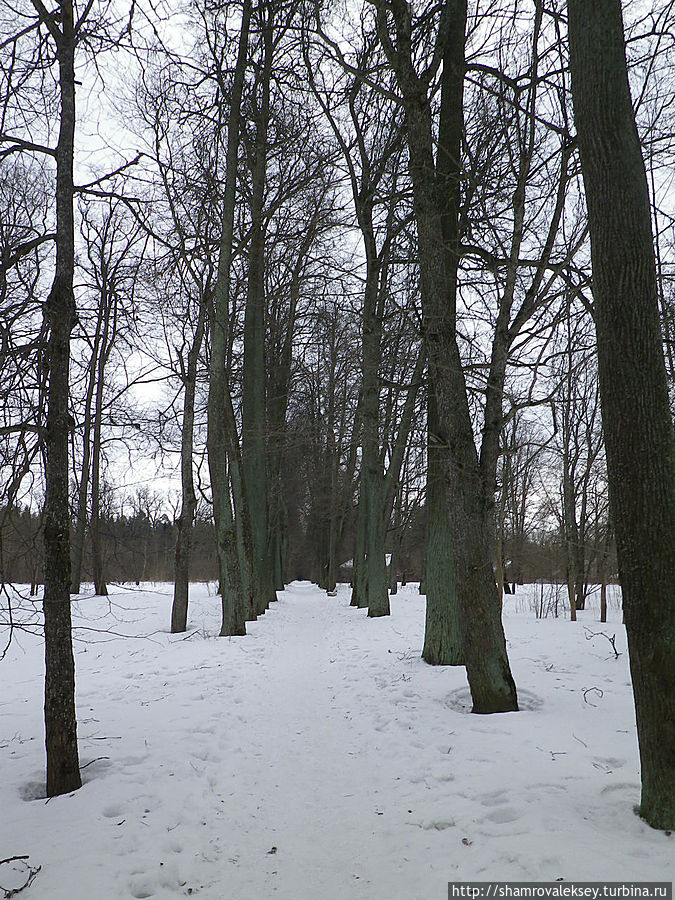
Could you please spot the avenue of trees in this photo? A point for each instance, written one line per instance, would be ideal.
(386, 287)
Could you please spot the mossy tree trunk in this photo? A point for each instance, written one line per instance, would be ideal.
(442, 636)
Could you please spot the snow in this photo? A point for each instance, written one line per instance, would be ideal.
(319, 758)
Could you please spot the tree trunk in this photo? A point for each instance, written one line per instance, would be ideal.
(106, 301)
(63, 770)
(219, 397)
(253, 406)
(370, 569)
(636, 417)
(179, 609)
(231, 591)
(242, 520)
(83, 486)
(393, 567)
(100, 588)
(372, 476)
(570, 596)
(392, 478)
(483, 642)
(603, 598)
(442, 637)
(359, 596)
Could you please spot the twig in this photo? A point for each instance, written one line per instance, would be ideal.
(612, 640)
(597, 690)
(554, 753)
(31, 875)
(98, 758)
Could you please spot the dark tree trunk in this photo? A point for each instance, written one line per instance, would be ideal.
(436, 203)
(63, 770)
(372, 476)
(100, 588)
(230, 552)
(636, 418)
(231, 593)
(83, 486)
(393, 567)
(179, 610)
(243, 564)
(253, 405)
(392, 479)
(359, 596)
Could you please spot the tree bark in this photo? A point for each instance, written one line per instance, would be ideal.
(638, 430)
(63, 770)
(442, 635)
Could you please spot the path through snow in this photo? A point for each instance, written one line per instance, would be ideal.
(319, 758)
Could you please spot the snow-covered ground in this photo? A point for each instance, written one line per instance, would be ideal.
(319, 758)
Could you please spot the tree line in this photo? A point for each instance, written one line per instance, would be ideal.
(139, 545)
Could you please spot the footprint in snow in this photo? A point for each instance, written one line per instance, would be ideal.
(112, 811)
(503, 816)
(494, 799)
(141, 887)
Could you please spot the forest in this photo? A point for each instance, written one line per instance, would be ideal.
(366, 294)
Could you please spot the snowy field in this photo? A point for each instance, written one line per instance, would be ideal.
(319, 758)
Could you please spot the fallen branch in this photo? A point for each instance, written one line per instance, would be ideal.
(29, 871)
(98, 758)
(612, 640)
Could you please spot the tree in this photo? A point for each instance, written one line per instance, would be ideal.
(183, 271)
(436, 204)
(581, 445)
(253, 405)
(221, 423)
(24, 249)
(46, 47)
(110, 269)
(368, 151)
(63, 769)
(639, 438)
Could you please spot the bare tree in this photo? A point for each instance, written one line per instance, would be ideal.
(483, 643)
(63, 771)
(110, 272)
(220, 415)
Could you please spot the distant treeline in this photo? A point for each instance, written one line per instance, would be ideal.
(135, 548)
(140, 548)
